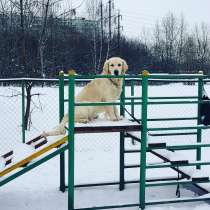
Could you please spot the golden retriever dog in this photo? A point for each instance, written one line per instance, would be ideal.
(98, 90)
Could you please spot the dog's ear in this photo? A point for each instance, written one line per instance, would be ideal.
(106, 67)
(125, 66)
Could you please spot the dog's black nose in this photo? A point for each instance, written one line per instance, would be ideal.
(116, 72)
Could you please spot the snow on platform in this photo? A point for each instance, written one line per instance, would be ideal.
(191, 171)
(103, 122)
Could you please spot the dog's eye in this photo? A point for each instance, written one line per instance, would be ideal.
(119, 64)
(112, 65)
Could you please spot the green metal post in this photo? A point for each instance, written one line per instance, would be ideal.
(132, 103)
(122, 141)
(199, 131)
(145, 75)
(132, 94)
(23, 111)
(61, 114)
(71, 142)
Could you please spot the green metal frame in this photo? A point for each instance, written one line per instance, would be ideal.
(144, 101)
(199, 131)
(122, 141)
(143, 140)
(71, 143)
(61, 114)
(145, 130)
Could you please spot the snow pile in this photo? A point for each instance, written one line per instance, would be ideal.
(199, 173)
(23, 151)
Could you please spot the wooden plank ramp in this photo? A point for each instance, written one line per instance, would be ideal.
(33, 156)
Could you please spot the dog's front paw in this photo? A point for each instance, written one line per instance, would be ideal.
(83, 121)
(120, 117)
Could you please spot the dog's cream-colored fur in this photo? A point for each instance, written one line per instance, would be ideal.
(98, 90)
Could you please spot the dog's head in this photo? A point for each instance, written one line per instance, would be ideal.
(115, 66)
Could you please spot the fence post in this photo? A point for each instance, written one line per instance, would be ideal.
(145, 75)
(132, 103)
(61, 114)
(122, 141)
(199, 131)
(23, 111)
(132, 100)
(71, 141)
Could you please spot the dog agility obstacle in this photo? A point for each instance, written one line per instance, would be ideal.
(143, 138)
(127, 130)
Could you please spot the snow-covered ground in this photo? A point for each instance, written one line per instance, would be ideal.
(97, 155)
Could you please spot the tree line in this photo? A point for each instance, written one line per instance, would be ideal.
(38, 40)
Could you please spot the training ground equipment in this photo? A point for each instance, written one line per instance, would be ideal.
(163, 150)
(146, 146)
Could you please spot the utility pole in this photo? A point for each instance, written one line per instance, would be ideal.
(110, 28)
(110, 16)
(118, 32)
(102, 22)
(22, 42)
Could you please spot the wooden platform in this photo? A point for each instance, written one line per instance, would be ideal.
(99, 126)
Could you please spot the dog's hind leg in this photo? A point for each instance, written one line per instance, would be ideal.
(112, 113)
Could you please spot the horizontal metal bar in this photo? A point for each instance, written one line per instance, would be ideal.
(173, 134)
(135, 103)
(176, 76)
(172, 119)
(132, 151)
(156, 77)
(171, 147)
(109, 207)
(167, 80)
(179, 128)
(172, 102)
(106, 76)
(105, 103)
(184, 147)
(132, 166)
(162, 98)
(180, 102)
(167, 165)
(126, 182)
(177, 200)
(150, 76)
(164, 183)
(28, 80)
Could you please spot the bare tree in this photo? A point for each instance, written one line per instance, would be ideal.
(93, 15)
(202, 45)
(170, 32)
(182, 35)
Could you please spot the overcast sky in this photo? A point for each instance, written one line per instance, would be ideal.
(138, 14)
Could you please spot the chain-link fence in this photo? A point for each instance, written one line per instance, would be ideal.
(44, 115)
(43, 112)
